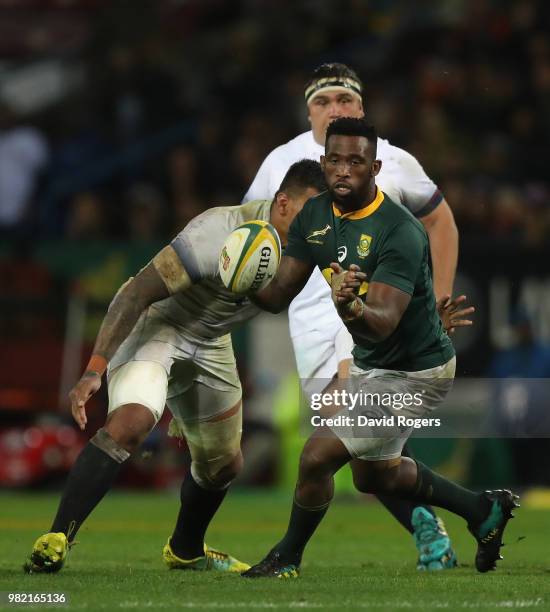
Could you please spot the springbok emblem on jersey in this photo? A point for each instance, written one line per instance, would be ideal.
(316, 233)
(363, 248)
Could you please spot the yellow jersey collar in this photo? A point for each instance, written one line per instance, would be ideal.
(362, 212)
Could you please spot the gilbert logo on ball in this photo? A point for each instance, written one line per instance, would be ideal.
(250, 257)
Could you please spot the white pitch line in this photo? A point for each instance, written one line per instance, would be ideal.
(266, 605)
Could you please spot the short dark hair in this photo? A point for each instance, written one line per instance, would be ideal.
(351, 126)
(333, 70)
(303, 174)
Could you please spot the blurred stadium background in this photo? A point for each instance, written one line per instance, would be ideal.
(121, 120)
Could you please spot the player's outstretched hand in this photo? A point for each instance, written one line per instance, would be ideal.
(89, 383)
(452, 313)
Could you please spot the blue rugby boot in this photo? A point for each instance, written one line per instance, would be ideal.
(432, 541)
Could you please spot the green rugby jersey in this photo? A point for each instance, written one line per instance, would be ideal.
(391, 247)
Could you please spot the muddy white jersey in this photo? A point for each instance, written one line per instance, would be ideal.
(207, 309)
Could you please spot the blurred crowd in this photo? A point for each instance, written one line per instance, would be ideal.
(179, 102)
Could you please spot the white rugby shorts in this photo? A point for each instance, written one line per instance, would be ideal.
(195, 377)
(370, 444)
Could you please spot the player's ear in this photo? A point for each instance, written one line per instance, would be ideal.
(282, 202)
(323, 163)
(375, 167)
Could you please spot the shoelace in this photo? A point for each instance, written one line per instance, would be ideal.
(215, 554)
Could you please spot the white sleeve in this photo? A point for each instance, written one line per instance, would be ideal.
(199, 243)
(268, 179)
(418, 192)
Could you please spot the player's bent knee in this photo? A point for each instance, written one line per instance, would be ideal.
(377, 477)
(312, 466)
(230, 471)
(215, 448)
(218, 473)
(129, 425)
(226, 474)
(364, 483)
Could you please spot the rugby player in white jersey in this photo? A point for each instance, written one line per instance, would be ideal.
(322, 344)
(166, 340)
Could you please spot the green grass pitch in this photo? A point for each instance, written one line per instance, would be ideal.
(359, 559)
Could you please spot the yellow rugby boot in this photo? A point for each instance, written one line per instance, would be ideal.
(48, 553)
(211, 560)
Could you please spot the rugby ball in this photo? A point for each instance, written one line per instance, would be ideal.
(250, 257)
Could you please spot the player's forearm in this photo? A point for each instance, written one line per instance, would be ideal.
(290, 279)
(272, 299)
(378, 316)
(119, 321)
(131, 300)
(443, 236)
(374, 319)
(376, 322)
(444, 251)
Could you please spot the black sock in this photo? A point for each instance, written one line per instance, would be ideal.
(402, 509)
(198, 507)
(90, 478)
(302, 525)
(433, 488)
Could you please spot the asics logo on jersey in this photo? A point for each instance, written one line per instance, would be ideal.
(317, 233)
(342, 253)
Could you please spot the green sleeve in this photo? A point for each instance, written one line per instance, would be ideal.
(297, 246)
(400, 257)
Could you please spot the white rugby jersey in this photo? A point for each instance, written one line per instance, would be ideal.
(401, 177)
(207, 309)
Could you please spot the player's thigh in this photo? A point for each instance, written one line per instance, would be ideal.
(142, 383)
(370, 431)
(214, 443)
(323, 454)
(205, 399)
(139, 370)
(195, 381)
(382, 420)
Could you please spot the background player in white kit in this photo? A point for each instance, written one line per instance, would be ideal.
(322, 345)
(166, 338)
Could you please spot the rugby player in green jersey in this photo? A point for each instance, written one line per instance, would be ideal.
(386, 300)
